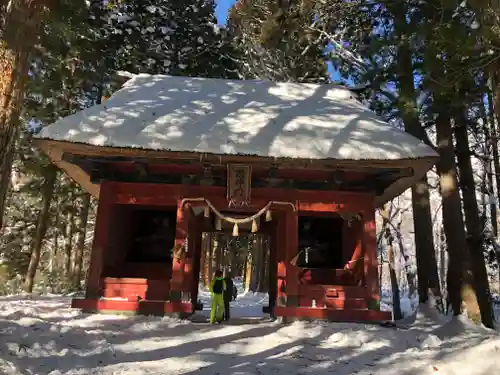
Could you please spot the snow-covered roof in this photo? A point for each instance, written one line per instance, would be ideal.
(238, 117)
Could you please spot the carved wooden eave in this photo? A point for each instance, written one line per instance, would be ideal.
(55, 151)
(71, 157)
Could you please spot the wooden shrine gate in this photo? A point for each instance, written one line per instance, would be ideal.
(349, 293)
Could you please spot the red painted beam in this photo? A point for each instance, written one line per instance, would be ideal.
(308, 200)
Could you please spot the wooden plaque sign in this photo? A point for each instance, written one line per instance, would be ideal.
(239, 180)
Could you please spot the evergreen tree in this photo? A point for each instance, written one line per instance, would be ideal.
(19, 25)
(61, 81)
(276, 41)
(380, 52)
(169, 37)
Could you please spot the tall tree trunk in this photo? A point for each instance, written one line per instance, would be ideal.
(266, 267)
(229, 256)
(491, 148)
(68, 241)
(410, 276)
(496, 89)
(80, 241)
(495, 133)
(452, 211)
(210, 269)
(249, 266)
(233, 261)
(5, 171)
(380, 238)
(257, 252)
(442, 259)
(494, 117)
(54, 249)
(396, 299)
(427, 270)
(50, 176)
(260, 264)
(219, 252)
(472, 221)
(262, 285)
(18, 31)
(244, 270)
(203, 259)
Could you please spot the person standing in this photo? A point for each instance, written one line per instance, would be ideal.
(228, 296)
(217, 289)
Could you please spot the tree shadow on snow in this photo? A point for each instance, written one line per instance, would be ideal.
(85, 343)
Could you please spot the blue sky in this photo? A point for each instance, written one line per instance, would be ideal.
(221, 10)
(222, 7)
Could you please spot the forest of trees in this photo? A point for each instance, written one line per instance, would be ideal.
(429, 67)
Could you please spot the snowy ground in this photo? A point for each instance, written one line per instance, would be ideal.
(248, 305)
(44, 336)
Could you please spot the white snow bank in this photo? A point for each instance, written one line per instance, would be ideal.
(238, 117)
(44, 336)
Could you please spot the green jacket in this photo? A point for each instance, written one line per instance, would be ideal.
(213, 282)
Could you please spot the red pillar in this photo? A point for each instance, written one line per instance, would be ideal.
(370, 260)
(352, 238)
(292, 241)
(193, 261)
(101, 239)
(279, 241)
(270, 229)
(177, 279)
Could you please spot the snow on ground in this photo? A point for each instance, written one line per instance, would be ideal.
(247, 304)
(43, 335)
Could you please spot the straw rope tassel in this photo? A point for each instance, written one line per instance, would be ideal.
(255, 227)
(220, 216)
(269, 217)
(206, 211)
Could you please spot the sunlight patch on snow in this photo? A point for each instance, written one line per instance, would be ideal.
(42, 335)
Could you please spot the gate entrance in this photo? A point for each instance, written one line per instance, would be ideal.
(246, 256)
(246, 259)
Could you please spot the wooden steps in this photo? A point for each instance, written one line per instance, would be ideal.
(140, 307)
(334, 315)
(336, 297)
(150, 297)
(133, 288)
(333, 291)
